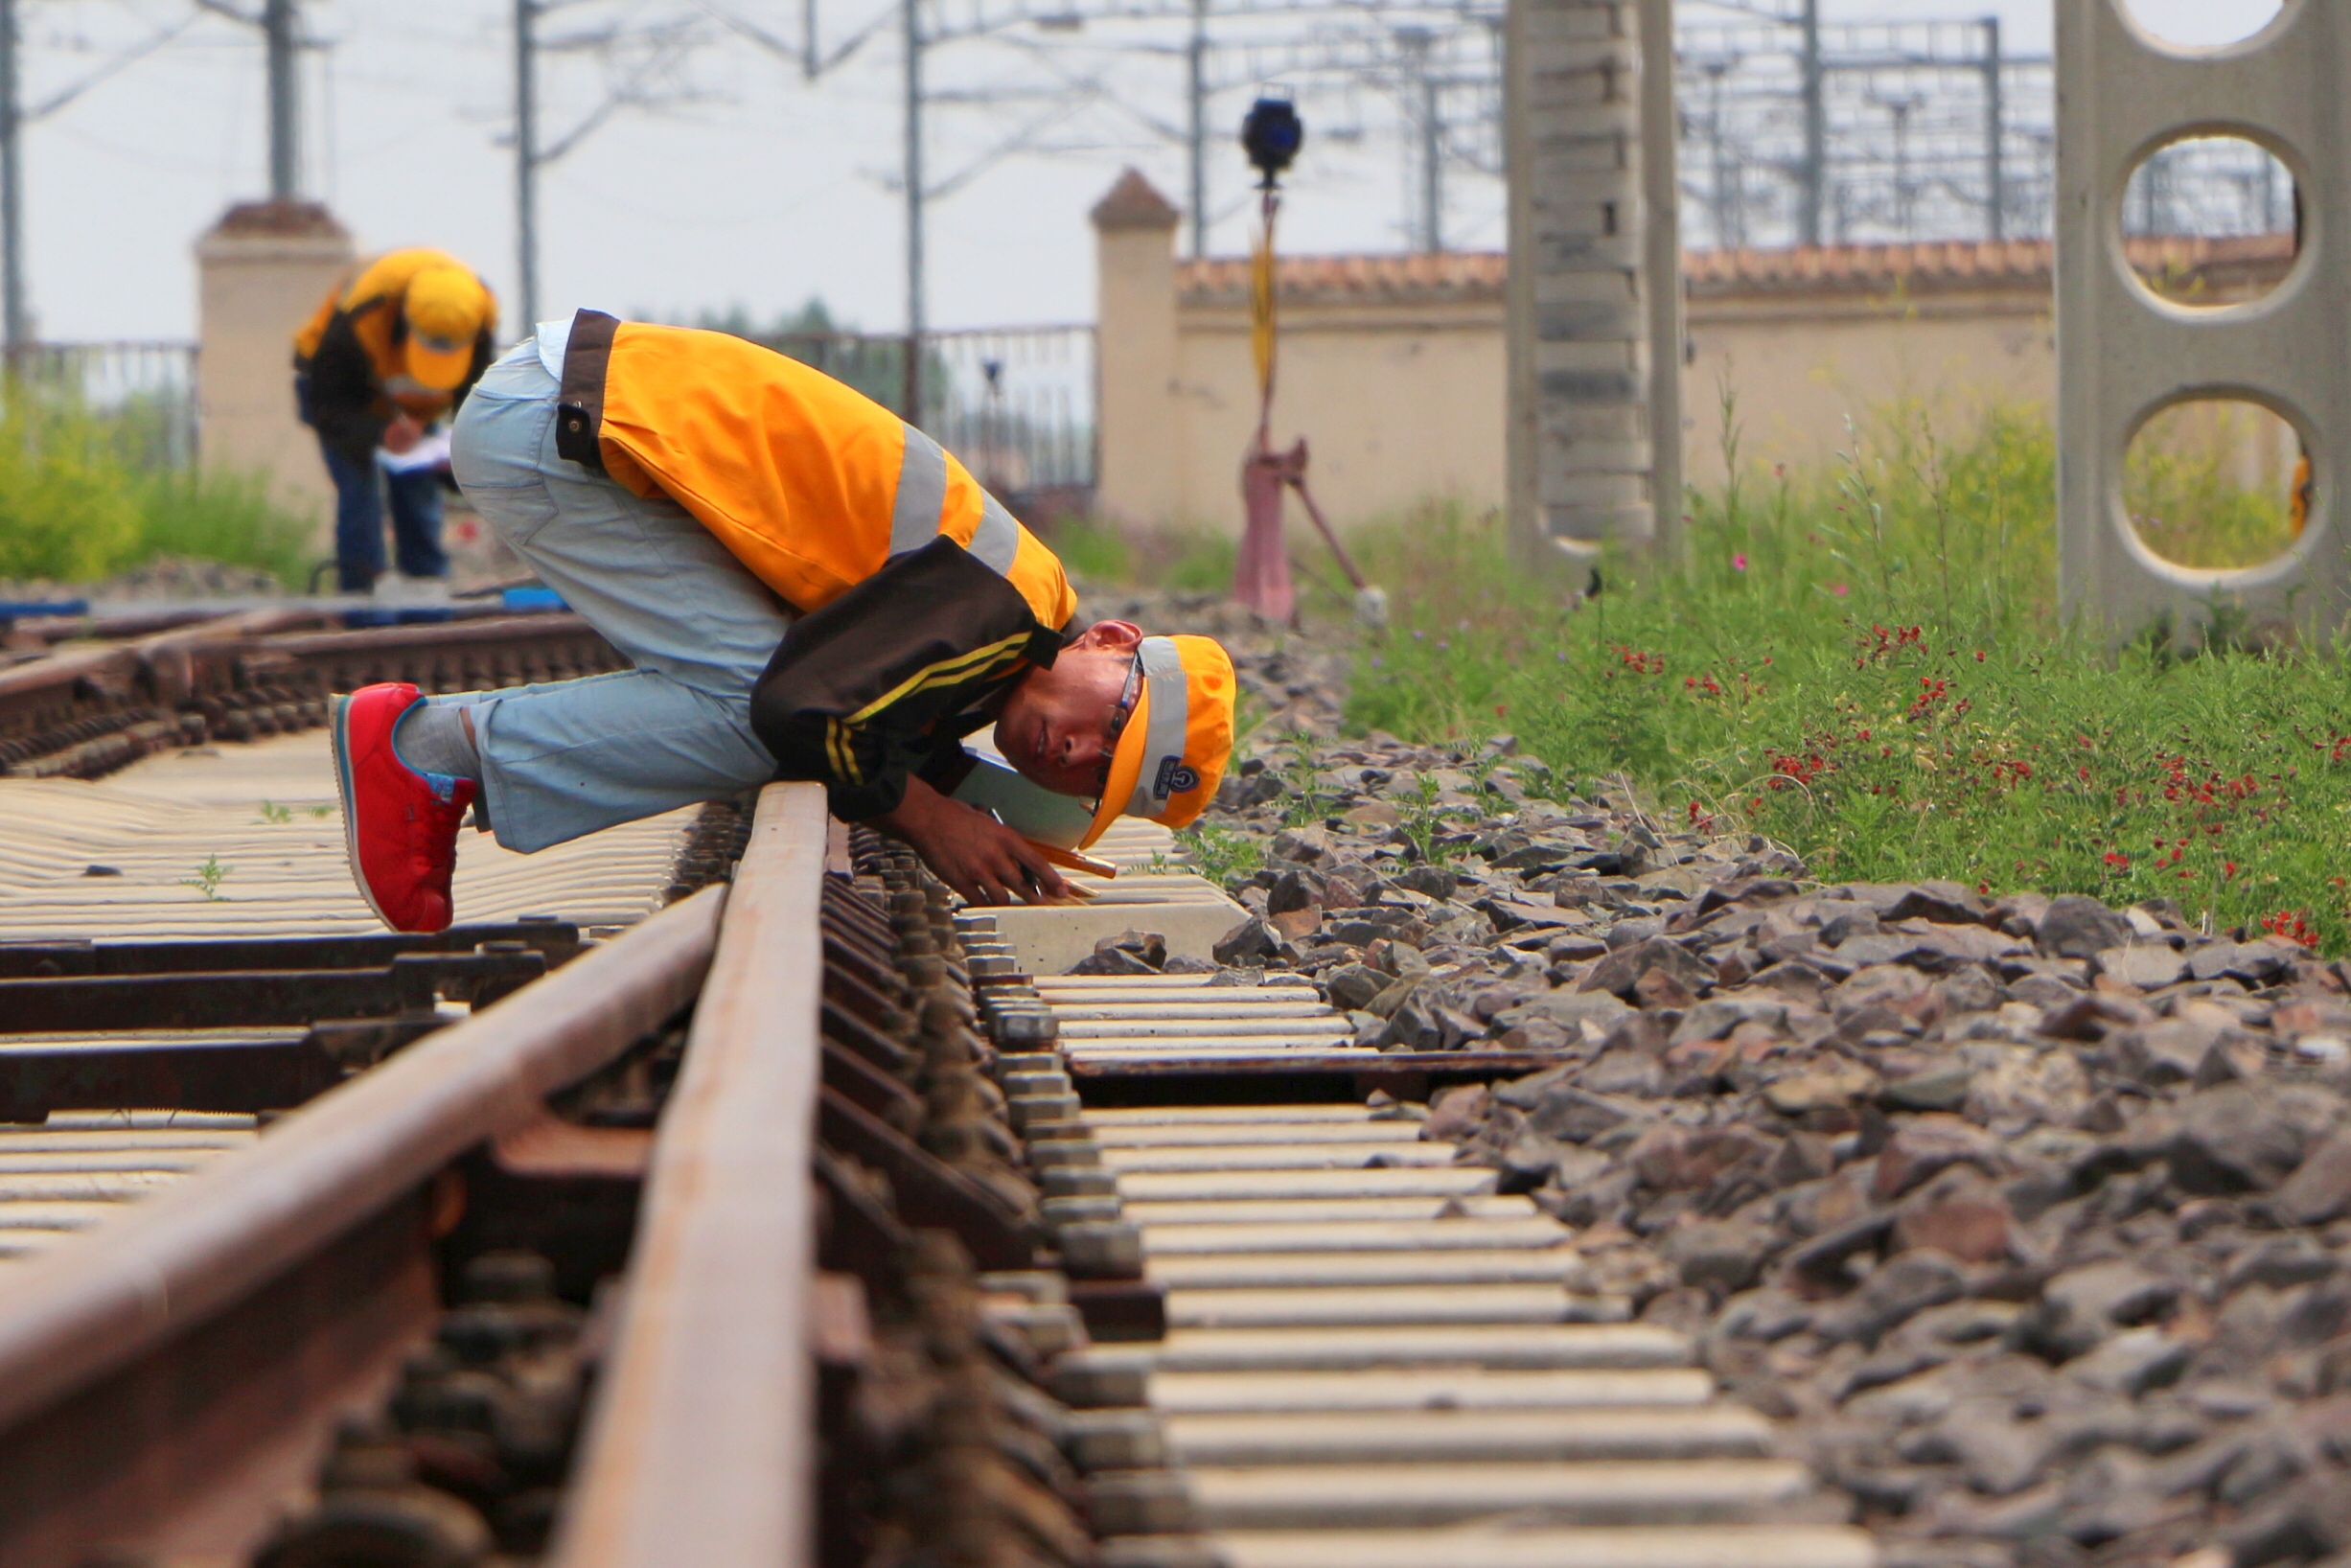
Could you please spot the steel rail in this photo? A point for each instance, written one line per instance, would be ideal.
(115, 666)
(702, 1447)
(84, 712)
(95, 1308)
(536, 626)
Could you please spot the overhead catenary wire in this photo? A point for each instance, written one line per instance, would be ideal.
(1138, 61)
(657, 47)
(15, 312)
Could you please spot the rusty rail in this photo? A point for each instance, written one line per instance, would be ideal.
(120, 1358)
(839, 1275)
(702, 1449)
(88, 711)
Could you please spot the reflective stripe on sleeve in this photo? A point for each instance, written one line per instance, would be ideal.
(922, 495)
(1169, 721)
(997, 537)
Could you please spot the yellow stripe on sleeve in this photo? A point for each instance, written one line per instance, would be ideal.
(963, 666)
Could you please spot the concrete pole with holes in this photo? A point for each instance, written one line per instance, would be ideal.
(1661, 286)
(1581, 305)
(2124, 355)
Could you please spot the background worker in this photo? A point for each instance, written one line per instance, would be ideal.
(392, 349)
(809, 587)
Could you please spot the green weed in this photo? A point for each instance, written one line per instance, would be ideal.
(1222, 856)
(1202, 564)
(69, 505)
(2187, 494)
(1426, 823)
(217, 516)
(1174, 559)
(1308, 800)
(80, 501)
(1093, 552)
(208, 877)
(1866, 662)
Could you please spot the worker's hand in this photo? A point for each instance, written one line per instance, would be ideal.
(403, 434)
(971, 852)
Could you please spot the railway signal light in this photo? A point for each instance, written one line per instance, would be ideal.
(1272, 135)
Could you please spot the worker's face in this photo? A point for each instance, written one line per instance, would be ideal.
(1060, 727)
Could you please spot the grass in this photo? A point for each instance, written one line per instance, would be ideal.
(1101, 555)
(78, 502)
(2185, 496)
(1866, 663)
(1222, 856)
(213, 516)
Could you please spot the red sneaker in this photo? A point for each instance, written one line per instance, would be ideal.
(400, 825)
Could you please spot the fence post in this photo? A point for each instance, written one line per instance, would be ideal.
(260, 270)
(1142, 422)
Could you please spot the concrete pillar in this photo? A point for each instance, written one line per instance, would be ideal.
(1139, 476)
(2124, 355)
(1579, 320)
(260, 273)
(1661, 280)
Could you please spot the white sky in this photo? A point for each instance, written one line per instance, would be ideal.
(763, 191)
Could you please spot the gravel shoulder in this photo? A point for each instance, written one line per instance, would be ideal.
(2028, 1219)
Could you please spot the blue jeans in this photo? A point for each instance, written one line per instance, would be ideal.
(573, 757)
(359, 520)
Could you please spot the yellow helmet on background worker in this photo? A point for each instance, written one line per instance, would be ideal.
(446, 308)
(1172, 754)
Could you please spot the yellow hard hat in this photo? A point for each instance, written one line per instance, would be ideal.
(1172, 754)
(446, 307)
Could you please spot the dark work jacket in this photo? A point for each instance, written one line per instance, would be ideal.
(340, 394)
(886, 679)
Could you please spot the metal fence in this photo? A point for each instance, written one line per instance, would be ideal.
(144, 392)
(1014, 403)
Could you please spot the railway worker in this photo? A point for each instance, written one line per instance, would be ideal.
(390, 350)
(808, 587)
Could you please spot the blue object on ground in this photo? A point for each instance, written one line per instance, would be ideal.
(403, 615)
(533, 598)
(17, 609)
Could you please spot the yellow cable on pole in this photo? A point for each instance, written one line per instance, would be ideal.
(1261, 311)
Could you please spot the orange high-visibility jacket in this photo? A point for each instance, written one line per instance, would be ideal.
(922, 599)
(811, 484)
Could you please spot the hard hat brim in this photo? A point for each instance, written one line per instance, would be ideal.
(1125, 766)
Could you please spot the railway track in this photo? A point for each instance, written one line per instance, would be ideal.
(723, 1195)
(92, 704)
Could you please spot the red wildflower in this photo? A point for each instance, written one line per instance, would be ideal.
(2291, 925)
